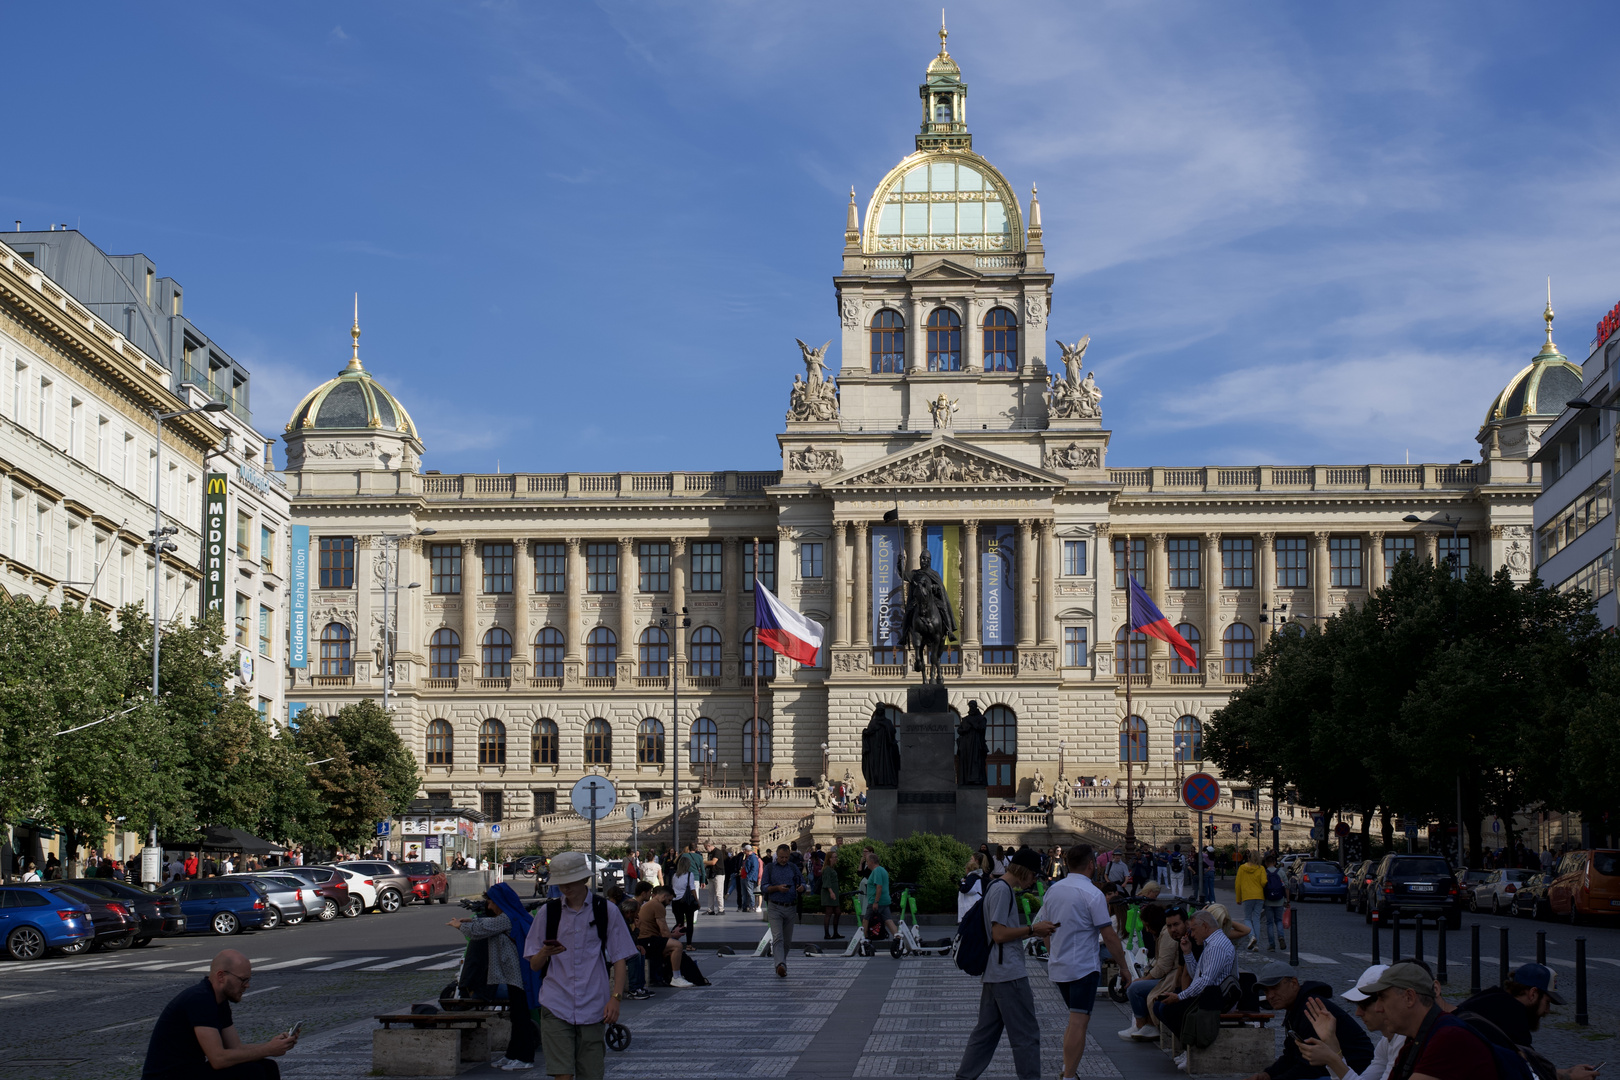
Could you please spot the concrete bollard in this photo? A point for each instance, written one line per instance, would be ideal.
(1473, 964)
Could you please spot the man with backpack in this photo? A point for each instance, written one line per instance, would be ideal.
(1438, 1046)
(1178, 872)
(1079, 910)
(1507, 1015)
(1005, 998)
(1275, 894)
(748, 869)
(573, 943)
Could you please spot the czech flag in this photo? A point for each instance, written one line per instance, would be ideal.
(783, 629)
(1148, 619)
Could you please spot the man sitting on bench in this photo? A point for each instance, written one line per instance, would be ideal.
(1214, 986)
(663, 945)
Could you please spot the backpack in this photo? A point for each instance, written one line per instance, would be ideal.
(1510, 1060)
(1175, 863)
(973, 937)
(599, 910)
(1274, 889)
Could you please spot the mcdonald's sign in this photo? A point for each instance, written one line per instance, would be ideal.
(213, 547)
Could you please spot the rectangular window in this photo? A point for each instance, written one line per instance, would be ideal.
(767, 565)
(264, 710)
(444, 564)
(492, 805)
(1293, 563)
(497, 568)
(1074, 646)
(19, 393)
(337, 562)
(1585, 511)
(654, 567)
(706, 567)
(1344, 562)
(42, 533)
(244, 534)
(44, 429)
(16, 547)
(126, 584)
(1183, 555)
(104, 446)
(809, 560)
(550, 568)
(129, 463)
(243, 628)
(1596, 577)
(545, 802)
(73, 567)
(1074, 558)
(75, 446)
(1237, 563)
(266, 629)
(601, 568)
(1455, 551)
(1138, 558)
(267, 549)
(1394, 548)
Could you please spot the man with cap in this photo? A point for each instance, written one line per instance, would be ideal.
(1513, 1011)
(1005, 998)
(1287, 995)
(1324, 1049)
(576, 1003)
(1438, 1045)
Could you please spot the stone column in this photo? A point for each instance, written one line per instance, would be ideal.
(677, 597)
(730, 574)
(522, 583)
(917, 336)
(629, 579)
(1319, 576)
(837, 571)
(1211, 629)
(970, 585)
(1375, 560)
(1158, 582)
(972, 335)
(1431, 547)
(1050, 568)
(1027, 557)
(573, 589)
(472, 580)
(1266, 573)
(914, 548)
(860, 619)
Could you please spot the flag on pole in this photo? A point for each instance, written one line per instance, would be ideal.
(783, 629)
(1146, 618)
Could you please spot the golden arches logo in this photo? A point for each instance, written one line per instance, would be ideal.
(216, 485)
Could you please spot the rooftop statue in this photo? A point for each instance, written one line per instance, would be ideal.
(813, 397)
(1069, 396)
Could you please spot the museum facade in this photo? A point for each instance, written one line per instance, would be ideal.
(537, 621)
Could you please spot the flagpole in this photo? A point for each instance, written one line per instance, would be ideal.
(754, 833)
(1130, 731)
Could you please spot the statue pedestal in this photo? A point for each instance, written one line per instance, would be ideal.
(927, 798)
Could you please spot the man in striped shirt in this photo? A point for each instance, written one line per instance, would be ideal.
(1214, 987)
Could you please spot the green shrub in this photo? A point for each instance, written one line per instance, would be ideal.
(934, 863)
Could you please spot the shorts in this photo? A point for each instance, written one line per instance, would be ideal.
(882, 910)
(572, 1049)
(1081, 994)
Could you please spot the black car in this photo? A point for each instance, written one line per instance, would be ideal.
(1530, 899)
(161, 916)
(1414, 885)
(114, 921)
(1360, 877)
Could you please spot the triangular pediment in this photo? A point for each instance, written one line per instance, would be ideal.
(943, 271)
(944, 462)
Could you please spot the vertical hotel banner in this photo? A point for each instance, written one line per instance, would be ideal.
(997, 580)
(944, 546)
(888, 590)
(213, 530)
(298, 624)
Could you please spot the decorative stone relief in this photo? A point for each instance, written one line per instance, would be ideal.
(851, 312)
(812, 460)
(850, 662)
(1037, 660)
(941, 465)
(1035, 309)
(1073, 456)
(340, 449)
(1517, 555)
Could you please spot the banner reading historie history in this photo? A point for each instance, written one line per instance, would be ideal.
(997, 578)
(213, 567)
(888, 590)
(298, 625)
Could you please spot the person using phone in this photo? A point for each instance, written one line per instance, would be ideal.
(503, 929)
(196, 1034)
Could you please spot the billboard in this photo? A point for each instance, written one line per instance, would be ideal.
(997, 584)
(888, 589)
(213, 547)
(298, 623)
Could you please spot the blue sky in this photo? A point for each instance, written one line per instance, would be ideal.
(585, 236)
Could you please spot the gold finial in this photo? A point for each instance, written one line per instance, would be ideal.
(1548, 316)
(354, 332)
(942, 33)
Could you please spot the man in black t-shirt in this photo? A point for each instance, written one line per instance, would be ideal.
(195, 1036)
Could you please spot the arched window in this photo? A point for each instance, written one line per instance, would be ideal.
(1001, 739)
(497, 654)
(601, 654)
(1000, 340)
(767, 658)
(944, 340)
(888, 343)
(1133, 739)
(1189, 739)
(336, 643)
(1190, 632)
(706, 652)
(1137, 660)
(543, 743)
(548, 653)
(652, 653)
(598, 743)
(1238, 645)
(650, 742)
(764, 742)
(441, 743)
(444, 650)
(705, 741)
(492, 743)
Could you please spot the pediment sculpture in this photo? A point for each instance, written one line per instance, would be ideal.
(941, 465)
(1073, 456)
(812, 460)
(1070, 397)
(814, 397)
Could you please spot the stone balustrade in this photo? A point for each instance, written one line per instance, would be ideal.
(1287, 478)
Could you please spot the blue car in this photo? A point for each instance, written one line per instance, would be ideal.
(222, 906)
(34, 920)
(1318, 879)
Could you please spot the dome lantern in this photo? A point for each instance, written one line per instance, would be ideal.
(1531, 399)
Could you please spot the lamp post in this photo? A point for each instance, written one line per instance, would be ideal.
(681, 622)
(391, 585)
(824, 762)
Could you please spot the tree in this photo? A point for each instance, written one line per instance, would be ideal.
(365, 772)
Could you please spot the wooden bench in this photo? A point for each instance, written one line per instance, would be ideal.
(1238, 1048)
(430, 1044)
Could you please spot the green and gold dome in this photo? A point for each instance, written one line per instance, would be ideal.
(354, 401)
(1541, 387)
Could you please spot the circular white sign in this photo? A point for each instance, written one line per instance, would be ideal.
(635, 811)
(606, 797)
(244, 666)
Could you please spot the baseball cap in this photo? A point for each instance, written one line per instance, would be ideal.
(1274, 973)
(569, 867)
(1541, 977)
(1367, 978)
(1405, 976)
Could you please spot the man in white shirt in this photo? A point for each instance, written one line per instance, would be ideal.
(1077, 908)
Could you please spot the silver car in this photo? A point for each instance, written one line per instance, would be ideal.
(1495, 893)
(291, 901)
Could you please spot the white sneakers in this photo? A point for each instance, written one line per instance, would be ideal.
(680, 982)
(1181, 1061)
(517, 1066)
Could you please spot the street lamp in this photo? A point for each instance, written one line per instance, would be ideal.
(1454, 556)
(1582, 403)
(824, 762)
(391, 585)
(681, 622)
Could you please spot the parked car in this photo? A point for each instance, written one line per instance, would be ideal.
(392, 883)
(1317, 879)
(114, 921)
(524, 865)
(428, 882)
(1530, 901)
(1496, 891)
(1285, 863)
(222, 905)
(1419, 885)
(34, 920)
(1359, 884)
(1468, 879)
(284, 894)
(331, 889)
(161, 916)
(1585, 883)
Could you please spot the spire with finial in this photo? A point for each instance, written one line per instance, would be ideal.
(944, 99)
(942, 32)
(1549, 349)
(1034, 240)
(852, 225)
(354, 332)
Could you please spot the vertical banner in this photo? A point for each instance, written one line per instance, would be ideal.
(944, 546)
(888, 600)
(298, 624)
(213, 530)
(998, 582)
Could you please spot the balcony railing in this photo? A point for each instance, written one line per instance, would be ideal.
(441, 684)
(1297, 477)
(726, 484)
(332, 680)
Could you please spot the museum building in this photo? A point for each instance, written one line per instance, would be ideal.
(535, 615)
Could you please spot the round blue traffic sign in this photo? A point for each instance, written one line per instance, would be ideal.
(1200, 791)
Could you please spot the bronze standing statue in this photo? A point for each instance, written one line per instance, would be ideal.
(929, 623)
(971, 749)
(880, 751)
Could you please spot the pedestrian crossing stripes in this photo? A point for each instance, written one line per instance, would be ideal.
(392, 964)
(198, 963)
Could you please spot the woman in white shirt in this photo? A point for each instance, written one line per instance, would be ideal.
(1324, 1049)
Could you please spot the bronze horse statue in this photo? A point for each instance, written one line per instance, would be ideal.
(929, 624)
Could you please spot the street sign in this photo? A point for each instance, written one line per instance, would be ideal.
(1342, 829)
(1276, 823)
(1316, 834)
(1318, 818)
(1496, 826)
(635, 811)
(1411, 832)
(1200, 791)
(495, 830)
(1237, 826)
(384, 828)
(593, 796)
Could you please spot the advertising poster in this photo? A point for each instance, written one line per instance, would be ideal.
(888, 591)
(997, 582)
(298, 623)
(944, 546)
(213, 547)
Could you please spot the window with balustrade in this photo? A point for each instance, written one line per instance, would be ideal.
(1138, 561)
(441, 743)
(1000, 340)
(764, 742)
(492, 743)
(498, 559)
(1177, 666)
(1189, 740)
(444, 653)
(550, 568)
(944, 340)
(706, 652)
(1183, 555)
(767, 658)
(1238, 646)
(1133, 740)
(1293, 563)
(705, 749)
(1001, 742)
(548, 653)
(336, 647)
(602, 568)
(1237, 562)
(1394, 548)
(650, 742)
(652, 653)
(444, 566)
(653, 558)
(708, 574)
(1130, 658)
(601, 654)
(1344, 562)
(598, 742)
(543, 743)
(888, 343)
